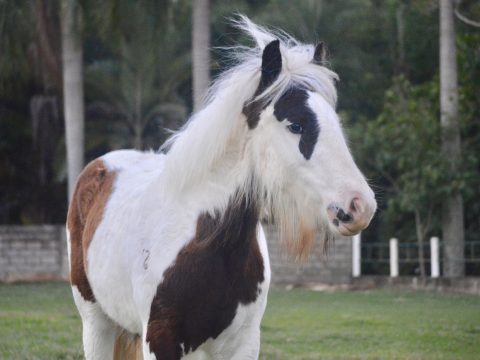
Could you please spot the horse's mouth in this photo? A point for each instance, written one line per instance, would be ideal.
(344, 230)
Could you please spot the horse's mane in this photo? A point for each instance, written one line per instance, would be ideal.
(195, 149)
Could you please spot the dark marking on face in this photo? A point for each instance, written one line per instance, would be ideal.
(292, 106)
(271, 68)
(252, 112)
(220, 268)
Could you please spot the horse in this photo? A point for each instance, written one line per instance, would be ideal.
(168, 258)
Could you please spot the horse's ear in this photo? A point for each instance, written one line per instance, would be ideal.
(271, 68)
(320, 53)
(271, 64)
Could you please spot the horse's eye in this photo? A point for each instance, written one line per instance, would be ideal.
(295, 128)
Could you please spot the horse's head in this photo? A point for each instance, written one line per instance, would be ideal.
(300, 151)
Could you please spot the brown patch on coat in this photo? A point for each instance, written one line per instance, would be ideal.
(127, 347)
(220, 268)
(94, 186)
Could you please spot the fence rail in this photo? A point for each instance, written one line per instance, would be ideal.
(402, 258)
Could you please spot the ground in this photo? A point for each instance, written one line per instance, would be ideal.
(39, 321)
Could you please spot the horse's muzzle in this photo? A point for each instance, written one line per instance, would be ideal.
(355, 218)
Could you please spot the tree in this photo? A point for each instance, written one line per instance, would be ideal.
(73, 100)
(452, 207)
(200, 50)
(134, 96)
(45, 104)
(402, 145)
(31, 79)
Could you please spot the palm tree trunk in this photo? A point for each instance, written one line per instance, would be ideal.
(47, 28)
(72, 57)
(200, 50)
(452, 209)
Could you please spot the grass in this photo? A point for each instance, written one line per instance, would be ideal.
(39, 321)
(376, 324)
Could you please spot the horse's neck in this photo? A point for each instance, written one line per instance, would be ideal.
(214, 184)
(230, 179)
(234, 226)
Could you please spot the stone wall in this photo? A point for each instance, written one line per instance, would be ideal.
(333, 267)
(29, 253)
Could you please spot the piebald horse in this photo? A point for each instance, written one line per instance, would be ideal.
(168, 259)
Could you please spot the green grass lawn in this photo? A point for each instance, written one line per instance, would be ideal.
(39, 321)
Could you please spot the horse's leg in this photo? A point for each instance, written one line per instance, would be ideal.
(147, 355)
(248, 348)
(243, 344)
(99, 332)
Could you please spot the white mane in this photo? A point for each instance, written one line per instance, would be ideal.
(195, 149)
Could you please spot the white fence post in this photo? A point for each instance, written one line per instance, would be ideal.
(393, 257)
(356, 255)
(434, 257)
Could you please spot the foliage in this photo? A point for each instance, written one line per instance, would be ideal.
(403, 144)
(134, 90)
(14, 40)
(138, 81)
(469, 88)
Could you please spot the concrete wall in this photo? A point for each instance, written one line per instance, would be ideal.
(334, 267)
(33, 253)
(39, 253)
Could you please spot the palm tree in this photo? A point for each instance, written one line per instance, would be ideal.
(137, 90)
(200, 50)
(72, 56)
(452, 212)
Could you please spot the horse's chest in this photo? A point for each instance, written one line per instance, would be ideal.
(201, 292)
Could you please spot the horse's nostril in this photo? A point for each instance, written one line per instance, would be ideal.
(353, 216)
(343, 216)
(353, 208)
(357, 205)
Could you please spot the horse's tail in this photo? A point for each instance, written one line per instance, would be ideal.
(127, 347)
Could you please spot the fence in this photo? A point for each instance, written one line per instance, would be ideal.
(402, 258)
(39, 252)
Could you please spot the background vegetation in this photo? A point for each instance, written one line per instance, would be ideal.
(137, 60)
